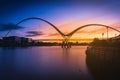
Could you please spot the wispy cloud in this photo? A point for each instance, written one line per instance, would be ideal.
(54, 34)
(34, 33)
(9, 26)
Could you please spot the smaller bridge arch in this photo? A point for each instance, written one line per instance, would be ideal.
(74, 31)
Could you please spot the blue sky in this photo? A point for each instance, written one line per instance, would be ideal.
(62, 13)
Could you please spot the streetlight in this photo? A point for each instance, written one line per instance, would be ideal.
(102, 35)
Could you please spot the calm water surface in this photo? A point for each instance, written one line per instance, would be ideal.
(44, 63)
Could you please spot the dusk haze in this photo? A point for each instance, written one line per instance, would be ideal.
(59, 39)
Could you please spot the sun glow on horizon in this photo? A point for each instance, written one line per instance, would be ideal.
(66, 17)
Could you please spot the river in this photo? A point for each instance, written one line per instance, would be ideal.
(44, 63)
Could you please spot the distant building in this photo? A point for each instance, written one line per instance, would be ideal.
(12, 39)
(1, 41)
(26, 40)
(36, 41)
(115, 39)
(16, 41)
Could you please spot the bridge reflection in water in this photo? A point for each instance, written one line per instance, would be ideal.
(104, 63)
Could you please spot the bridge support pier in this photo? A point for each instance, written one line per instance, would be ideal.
(65, 42)
(66, 45)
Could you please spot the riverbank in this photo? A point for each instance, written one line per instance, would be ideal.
(105, 43)
(103, 62)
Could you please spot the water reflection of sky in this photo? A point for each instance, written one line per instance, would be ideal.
(45, 62)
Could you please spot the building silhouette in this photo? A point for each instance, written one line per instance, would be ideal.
(1, 41)
(115, 39)
(16, 41)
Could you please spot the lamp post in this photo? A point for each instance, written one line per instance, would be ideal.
(102, 35)
(107, 33)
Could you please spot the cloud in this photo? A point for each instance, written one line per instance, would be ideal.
(95, 31)
(34, 33)
(9, 26)
(54, 34)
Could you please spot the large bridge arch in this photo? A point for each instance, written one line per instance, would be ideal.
(36, 18)
(74, 31)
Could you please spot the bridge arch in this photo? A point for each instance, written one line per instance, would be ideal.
(74, 31)
(36, 18)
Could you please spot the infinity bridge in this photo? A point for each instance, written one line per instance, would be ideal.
(66, 37)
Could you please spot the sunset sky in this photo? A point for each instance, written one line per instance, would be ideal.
(67, 15)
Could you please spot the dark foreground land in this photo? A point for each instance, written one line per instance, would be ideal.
(103, 60)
